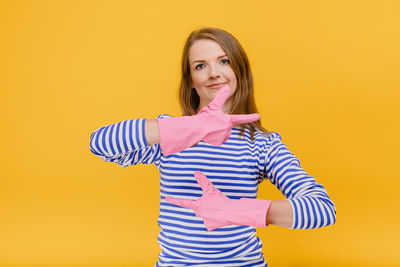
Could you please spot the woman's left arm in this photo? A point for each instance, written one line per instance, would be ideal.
(307, 205)
(280, 213)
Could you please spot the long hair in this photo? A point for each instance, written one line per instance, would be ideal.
(243, 98)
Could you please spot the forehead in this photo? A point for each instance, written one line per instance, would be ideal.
(204, 49)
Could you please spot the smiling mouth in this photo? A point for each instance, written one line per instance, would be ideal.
(217, 85)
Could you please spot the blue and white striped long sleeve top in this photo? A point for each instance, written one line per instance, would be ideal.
(236, 168)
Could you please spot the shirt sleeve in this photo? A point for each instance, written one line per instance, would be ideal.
(312, 207)
(124, 143)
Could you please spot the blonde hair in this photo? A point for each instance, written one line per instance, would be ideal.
(243, 98)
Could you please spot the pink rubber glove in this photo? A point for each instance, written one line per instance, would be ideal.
(210, 125)
(218, 210)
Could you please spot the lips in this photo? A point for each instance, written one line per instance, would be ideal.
(216, 85)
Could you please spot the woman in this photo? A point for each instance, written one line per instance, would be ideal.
(211, 161)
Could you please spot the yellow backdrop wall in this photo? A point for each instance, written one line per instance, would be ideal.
(326, 78)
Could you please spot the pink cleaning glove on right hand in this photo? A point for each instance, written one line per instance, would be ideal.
(210, 125)
(218, 210)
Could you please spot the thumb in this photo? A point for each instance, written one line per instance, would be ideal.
(220, 98)
(205, 184)
(185, 203)
(210, 228)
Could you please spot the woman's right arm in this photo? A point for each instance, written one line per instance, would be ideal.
(127, 142)
(152, 132)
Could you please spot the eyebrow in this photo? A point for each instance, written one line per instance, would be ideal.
(205, 61)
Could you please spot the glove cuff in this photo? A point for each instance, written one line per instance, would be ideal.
(251, 212)
(177, 134)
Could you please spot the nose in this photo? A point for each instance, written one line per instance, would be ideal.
(213, 72)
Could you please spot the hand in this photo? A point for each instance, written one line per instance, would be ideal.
(210, 125)
(218, 210)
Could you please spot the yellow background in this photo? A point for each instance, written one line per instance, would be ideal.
(326, 78)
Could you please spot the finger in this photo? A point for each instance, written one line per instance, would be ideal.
(185, 203)
(205, 184)
(220, 98)
(244, 118)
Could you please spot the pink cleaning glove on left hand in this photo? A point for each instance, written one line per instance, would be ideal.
(218, 210)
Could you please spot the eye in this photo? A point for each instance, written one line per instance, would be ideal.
(197, 67)
(225, 61)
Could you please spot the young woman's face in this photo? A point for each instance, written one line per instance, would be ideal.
(210, 71)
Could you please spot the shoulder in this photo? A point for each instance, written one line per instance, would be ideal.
(163, 116)
(261, 139)
(267, 138)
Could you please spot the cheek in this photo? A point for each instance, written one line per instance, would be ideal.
(197, 79)
(231, 75)
(234, 81)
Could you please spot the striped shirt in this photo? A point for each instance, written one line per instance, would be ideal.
(236, 168)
